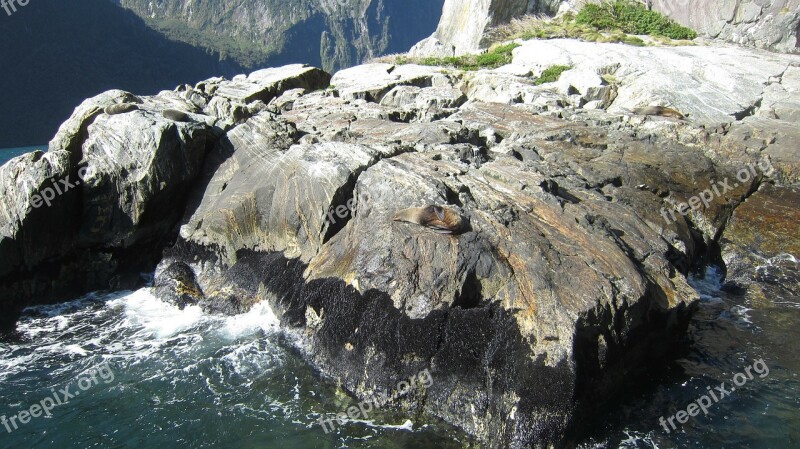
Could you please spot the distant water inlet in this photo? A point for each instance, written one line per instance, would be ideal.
(6, 154)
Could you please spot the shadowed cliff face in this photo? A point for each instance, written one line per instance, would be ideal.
(327, 33)
(57, 53)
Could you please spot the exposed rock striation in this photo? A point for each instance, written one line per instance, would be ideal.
(567, 278)
(770, 24)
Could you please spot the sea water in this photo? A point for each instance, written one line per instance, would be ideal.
(6, 154)
(182, 378)
(728, 334)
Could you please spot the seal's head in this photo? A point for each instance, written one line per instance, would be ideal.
(441, 219)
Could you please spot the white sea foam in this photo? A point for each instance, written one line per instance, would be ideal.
(156, 317)
(192, 355)
(638, 439)
(710, 283)
(260, 317)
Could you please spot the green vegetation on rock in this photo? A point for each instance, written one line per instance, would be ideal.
(494, 58)
(551, 74)
(615, 21)
(632, 18)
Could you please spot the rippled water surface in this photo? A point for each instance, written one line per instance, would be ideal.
(184, 379)
(181, 379)
(730, 332)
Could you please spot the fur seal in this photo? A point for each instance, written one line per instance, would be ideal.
(120, 108)
(176, 115)
(441, 219)
(660, 111)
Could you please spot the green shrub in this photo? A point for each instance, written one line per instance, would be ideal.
(631, 17)
(505, 49)
(492, 59)
(551, 74)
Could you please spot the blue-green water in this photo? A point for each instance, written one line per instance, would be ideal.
(6, 154)
(189, 380)
(727, 336)
(180, 379)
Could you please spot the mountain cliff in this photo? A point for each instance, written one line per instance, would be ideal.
(57, 53)
(767, 24)
(327, 33)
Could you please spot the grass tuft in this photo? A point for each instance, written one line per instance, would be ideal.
(551, 74)
(496, 57)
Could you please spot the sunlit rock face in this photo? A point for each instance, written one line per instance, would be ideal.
(769, 24)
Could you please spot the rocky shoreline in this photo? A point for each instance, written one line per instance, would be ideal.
(567, 283)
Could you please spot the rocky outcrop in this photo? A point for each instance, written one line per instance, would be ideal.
(768, 24)
(464, 22)
(761, 229)
(95, 209)
(734, 83)
(567, 279)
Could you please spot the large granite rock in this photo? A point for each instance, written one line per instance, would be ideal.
(572, 269)
(771, 24)
(730, 80)
(568, 280)
(97, 208)
(761, 229)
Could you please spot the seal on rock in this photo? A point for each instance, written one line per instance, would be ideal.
(120, 108)
(441, 219)
(660, 111)
(176, 115)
